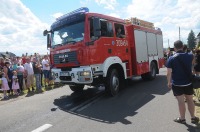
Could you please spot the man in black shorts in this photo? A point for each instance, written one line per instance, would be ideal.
(179, 81)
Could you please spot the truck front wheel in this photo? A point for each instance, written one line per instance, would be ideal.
(112, 82)
(76, 88)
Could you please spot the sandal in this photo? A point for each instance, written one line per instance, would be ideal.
(179, 120)
(195, 120)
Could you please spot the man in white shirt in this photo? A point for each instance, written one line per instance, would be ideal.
(28, 70)
(46, 69)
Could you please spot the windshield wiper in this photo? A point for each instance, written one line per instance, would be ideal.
(73, 42)
(56, 45)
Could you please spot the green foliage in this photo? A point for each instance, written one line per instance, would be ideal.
(191, 40)
(198, 45)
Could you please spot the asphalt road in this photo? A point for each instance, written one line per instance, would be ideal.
(142, 107)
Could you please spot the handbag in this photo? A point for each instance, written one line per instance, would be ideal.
(196, 82)
(193, 78)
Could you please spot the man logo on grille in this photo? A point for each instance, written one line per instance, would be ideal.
(63, 58)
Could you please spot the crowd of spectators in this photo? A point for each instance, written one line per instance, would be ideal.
(196, 54)
(25, 72)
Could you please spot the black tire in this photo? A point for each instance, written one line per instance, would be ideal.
(112, 82)
(76, 88)
(152, 74)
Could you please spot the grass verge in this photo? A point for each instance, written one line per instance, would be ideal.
(25, 92)
(197, 105)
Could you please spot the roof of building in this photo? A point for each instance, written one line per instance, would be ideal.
(198, 35)
(7, 54)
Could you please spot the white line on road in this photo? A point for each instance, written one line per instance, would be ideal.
(42, 128)
(99, 93)
(68, 105)
(86, 106)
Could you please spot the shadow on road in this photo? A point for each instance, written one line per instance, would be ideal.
(113, 109)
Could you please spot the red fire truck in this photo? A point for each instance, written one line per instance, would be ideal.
(86, 49)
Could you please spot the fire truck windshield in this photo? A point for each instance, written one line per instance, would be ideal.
(68, 34)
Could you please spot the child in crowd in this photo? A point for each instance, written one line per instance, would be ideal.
(4, 85)
(15, 84)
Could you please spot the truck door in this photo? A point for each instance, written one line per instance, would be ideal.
(121, 46)
(101, 46)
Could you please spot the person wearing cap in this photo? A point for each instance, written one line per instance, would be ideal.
(180, 83)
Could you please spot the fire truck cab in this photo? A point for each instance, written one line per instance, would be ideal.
(91, 49)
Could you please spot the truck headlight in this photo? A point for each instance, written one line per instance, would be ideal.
(54, 75)
(85, 73)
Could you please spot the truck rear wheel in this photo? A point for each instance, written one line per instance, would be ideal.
(76, 88)
(152, 74)
(112, 82)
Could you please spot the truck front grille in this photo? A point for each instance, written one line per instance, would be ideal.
(66, 78)
(68, 57)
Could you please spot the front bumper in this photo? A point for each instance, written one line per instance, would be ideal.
(81, 75)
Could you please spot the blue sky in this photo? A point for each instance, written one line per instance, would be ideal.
(44, 9)
(23, 21)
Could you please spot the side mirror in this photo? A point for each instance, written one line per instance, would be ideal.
(48, 41)
(45, 32)
(97, 27)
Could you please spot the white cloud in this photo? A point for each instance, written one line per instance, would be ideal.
(169, 15)
(114, 15)
(56, 15)
(84, 2)
(108, 4)
(148, 9)
(20, 30)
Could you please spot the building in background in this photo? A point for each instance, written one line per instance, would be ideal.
(7, 54)
(143, 23)
(198, 39)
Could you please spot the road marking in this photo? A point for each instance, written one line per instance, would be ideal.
(42, 128)
(87, 102)
(67, 105)
(87, 105)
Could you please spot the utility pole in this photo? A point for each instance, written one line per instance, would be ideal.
(168, 43)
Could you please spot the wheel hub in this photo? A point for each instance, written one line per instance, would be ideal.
(115, 83)
(153, 71)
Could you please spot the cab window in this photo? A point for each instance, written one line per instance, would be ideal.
(106, 28)
(119, 30)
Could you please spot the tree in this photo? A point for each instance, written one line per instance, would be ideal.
(191, 40)
(198, 45)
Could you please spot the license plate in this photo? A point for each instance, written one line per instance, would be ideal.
(64, 73)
